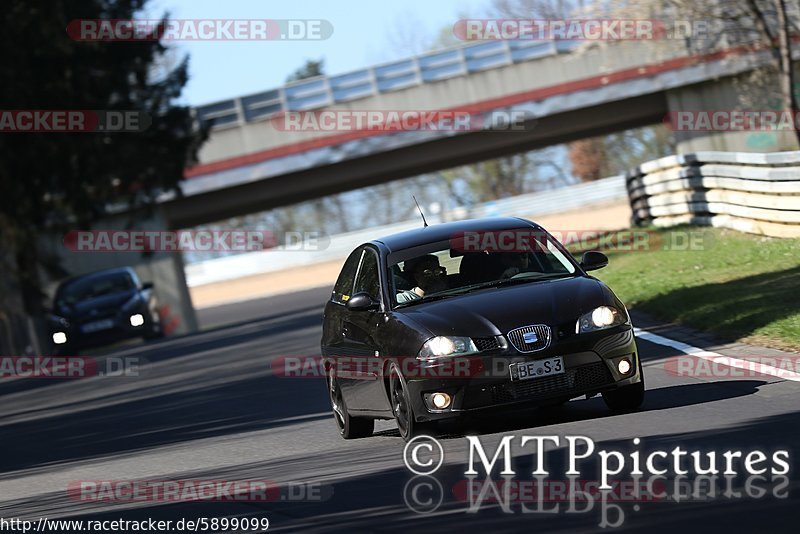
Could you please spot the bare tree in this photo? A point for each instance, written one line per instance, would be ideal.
(588, 159)
(505, 176)
(734, 24)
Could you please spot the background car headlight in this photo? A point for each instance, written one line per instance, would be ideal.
(443, 346)
(600, 318)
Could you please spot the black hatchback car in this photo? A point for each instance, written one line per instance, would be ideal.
(101, 308)
(468, 317)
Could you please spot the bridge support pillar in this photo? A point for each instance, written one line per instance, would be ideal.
(727, 94)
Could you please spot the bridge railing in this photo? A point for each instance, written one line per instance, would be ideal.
(749, 192)
(322, 91)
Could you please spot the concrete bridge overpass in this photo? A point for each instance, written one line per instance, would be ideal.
(567, 93)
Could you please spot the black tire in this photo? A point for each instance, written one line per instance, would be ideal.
(349, 427)
(402, 408)
(627, 398)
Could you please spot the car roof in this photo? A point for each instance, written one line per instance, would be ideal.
(445, 231)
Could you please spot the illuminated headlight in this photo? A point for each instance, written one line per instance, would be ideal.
(137, 319)
(59, 338)
(441, 400)
(600, 318)
(443, 346)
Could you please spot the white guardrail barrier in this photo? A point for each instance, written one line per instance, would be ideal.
(322, 91)
(753, 193)
(528, 205)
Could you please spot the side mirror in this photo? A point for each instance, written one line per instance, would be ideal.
(361, 302)
(593, 260)
(147, 285)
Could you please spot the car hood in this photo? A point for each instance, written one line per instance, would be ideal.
(102, 306)
(495, 311)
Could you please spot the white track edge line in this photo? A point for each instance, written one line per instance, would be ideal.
(718, 358)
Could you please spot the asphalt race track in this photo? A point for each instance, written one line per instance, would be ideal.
(207, 407)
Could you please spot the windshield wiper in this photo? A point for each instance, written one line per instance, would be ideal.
(437, 296)
(522, 280)
(495, 283)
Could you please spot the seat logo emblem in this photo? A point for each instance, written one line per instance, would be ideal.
(530, 337)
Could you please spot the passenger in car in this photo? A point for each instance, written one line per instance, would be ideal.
(514, 263)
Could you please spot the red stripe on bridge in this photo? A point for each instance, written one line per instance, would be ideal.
(592, 82)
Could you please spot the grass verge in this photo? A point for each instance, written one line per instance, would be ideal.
(737, 285)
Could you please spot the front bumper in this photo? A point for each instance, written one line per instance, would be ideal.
(590, 368)
(119, 331)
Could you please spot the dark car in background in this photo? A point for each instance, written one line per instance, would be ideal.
(424, 329)
(102, 308)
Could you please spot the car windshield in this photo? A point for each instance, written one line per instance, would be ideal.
(459, 265)
(96, 286)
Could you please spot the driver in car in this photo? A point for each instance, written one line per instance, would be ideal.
(429, 276)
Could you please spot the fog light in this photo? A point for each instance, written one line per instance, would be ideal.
(624, 366)
(59, 338)
(441, 400)
(137, 319)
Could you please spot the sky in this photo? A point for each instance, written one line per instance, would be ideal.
(364, 33)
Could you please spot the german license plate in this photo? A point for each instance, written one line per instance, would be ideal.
(96, 326)
(537, 368)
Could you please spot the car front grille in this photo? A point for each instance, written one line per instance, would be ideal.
(539, 332)
(486, 343)
(105, 314)
(574, 380)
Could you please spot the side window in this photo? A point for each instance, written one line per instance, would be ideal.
(344, 284)
(367, 279)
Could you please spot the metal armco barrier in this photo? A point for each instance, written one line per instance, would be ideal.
(753, 193)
